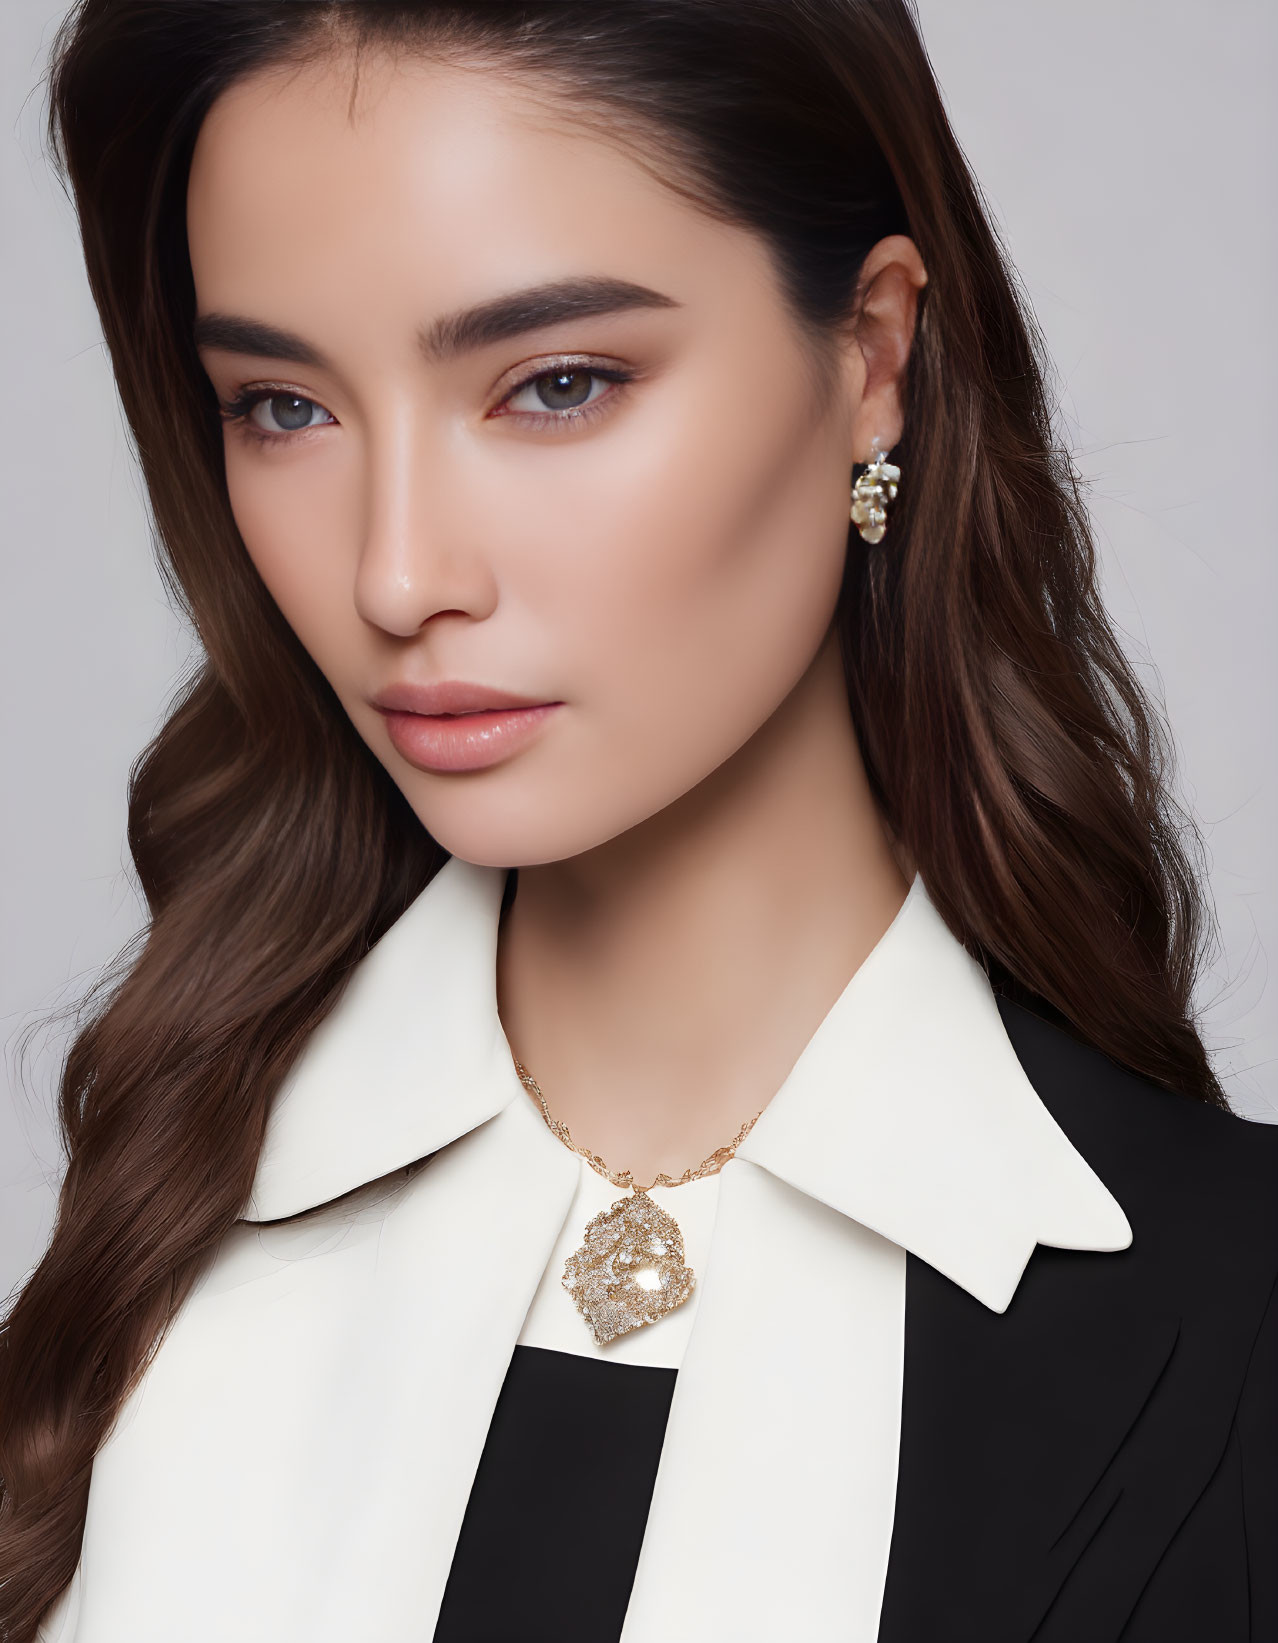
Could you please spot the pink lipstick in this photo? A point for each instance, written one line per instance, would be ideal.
(456, 726)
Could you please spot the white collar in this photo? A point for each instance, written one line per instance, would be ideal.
(907, 1110)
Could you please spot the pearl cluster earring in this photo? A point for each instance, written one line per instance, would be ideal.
(871, 494)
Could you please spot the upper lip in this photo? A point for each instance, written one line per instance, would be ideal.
(447, 696)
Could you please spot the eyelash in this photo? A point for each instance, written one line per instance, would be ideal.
(236, 411)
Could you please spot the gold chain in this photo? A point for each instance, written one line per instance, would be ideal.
(708, 1166)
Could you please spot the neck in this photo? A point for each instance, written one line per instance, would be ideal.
(660, 986)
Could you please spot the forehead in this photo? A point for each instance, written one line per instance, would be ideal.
(432, 182)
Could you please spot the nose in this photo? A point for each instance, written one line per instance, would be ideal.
(418, 555)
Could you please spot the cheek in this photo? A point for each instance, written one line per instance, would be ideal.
(703, 597)
(299, 546)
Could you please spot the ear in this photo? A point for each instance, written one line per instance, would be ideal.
(880, 334)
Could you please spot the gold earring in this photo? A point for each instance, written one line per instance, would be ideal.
(871, 494)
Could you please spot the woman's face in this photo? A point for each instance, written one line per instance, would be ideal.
(623, 496)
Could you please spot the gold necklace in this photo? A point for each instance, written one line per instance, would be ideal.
(630, 1270)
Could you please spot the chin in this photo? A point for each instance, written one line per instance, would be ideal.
(509, 836)
(527, 830)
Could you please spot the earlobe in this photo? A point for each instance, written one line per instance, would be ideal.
(892, 277)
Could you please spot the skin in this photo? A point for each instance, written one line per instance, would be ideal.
(702, 866)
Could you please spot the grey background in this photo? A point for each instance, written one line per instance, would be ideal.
(1127, 150)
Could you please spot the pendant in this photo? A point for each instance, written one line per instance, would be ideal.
(630, 1271)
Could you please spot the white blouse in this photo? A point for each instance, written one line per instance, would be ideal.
(298, 1457)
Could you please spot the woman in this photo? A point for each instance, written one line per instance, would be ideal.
(660, 1099)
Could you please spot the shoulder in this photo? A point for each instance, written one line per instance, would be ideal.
(1166, 1157)
(1196, 1293)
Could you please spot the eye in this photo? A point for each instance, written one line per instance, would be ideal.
(563, 393)
(291, 412)
(559, 396)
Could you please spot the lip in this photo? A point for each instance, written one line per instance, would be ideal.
(492, 725)
(448, 696)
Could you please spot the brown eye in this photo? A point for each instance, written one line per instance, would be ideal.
(563, 390)
(566, 395)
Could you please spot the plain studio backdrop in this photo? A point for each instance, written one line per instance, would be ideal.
(1127, 149)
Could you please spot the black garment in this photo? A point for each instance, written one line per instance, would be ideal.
(557, 1511)
(1097, 1464)
(1100, 1462)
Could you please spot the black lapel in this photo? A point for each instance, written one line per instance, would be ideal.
(1050, 1453)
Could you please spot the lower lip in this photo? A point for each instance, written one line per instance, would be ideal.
(471, 741)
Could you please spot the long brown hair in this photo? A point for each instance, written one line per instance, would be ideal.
(1009, 745)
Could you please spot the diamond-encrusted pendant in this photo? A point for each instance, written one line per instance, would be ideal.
(629, 1271)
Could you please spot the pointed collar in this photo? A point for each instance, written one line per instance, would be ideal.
(907, 1109)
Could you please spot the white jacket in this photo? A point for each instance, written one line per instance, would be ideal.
(295, 1465)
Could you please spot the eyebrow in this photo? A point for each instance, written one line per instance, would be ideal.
(451, 335)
